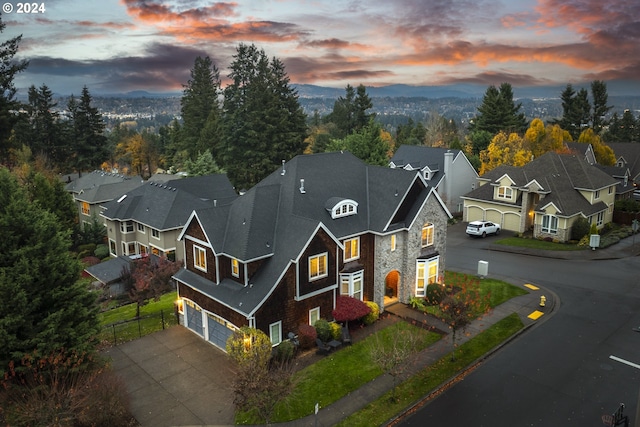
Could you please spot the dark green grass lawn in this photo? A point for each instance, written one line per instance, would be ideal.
(539, 244)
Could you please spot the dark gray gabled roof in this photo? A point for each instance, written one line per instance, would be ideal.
(106, 192)
(207, 187)
(110, 271)
(629, 152)
(420, 157)
(275, 219)
(157, 206)
(560, 175)
(96, 179)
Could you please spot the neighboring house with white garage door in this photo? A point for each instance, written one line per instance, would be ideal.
(546, 196)
(324, 225)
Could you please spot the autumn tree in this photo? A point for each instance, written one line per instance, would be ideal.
(9, 68)
(464, 303)
(44, 305)
(257, 386)
(149, 278)
(505, 149)
(394, 352)
(201, 111)
(604, 154)
(439, 131)
(349, 309)
(541, 139)
(263, 122)
(139, 152)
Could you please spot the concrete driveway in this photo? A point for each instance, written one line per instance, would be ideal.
(175, 378)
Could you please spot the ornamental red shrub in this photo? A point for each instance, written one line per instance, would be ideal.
(348, 308)
(307, 336)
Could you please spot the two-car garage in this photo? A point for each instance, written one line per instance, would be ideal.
(208, 325)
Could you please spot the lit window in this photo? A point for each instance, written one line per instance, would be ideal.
(235, 268)
(155, 233)
(143, 249)
(318, 266)
(550, 224)
(351, 249)
(155, 251)
(427, 234)
(314, 315)
(275, 333)
(200, 258)
(505, 192)
(351, 285)
(85, 208)
(426, 273)
(393, 242)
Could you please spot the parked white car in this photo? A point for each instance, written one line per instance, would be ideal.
(482, 228)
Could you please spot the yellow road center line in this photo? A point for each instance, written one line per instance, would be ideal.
(530, 286)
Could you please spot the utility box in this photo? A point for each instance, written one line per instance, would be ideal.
(594, 241)
(483, 269)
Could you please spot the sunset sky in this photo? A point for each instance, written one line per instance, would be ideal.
(123, 45)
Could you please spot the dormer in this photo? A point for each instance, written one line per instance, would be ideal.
(339, 207)
(429, 171)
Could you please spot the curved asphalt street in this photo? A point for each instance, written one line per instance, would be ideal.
(569, 370)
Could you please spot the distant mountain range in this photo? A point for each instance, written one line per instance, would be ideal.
(614, 88)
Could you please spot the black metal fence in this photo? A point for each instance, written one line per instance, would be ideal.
(128, 330)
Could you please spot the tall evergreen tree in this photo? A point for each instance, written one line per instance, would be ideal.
(498, 112)
(367, 144)
(9, 67)
(200, 109)
(88, 142)
(44, 306)
(263, 122)
(362, 103)
(349, 112)
(583, 109)
(625, 129)
(600, 105)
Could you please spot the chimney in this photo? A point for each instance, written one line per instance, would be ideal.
(302, 190)
(448, 181)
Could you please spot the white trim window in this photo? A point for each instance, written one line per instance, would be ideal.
(314, 315)
(112, 247)
(141, 228)
(126, 227)
(600, 219)
(235, 268)
(596, 195)
(318, 266)
(351, 249)
(351, 284)
(550, 224)
(505, 192)
(344, 208)
(155, 233)
(426, 273)
(275, 333)
(428, 230)
(200, 258)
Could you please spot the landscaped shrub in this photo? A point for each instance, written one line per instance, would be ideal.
(593, 229)
(435, 293)
(373, 315)
(323, 330)
(580, 228)
(101, 251)
(307, 336)
(336, 330)
(284, 351)
(349, 308)
(90, 260)
(89, 247)
(417, 303)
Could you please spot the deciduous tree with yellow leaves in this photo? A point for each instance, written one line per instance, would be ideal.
(542, 139)
(604, 154)
(505, 149)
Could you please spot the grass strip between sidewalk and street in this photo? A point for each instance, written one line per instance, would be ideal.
(539, 244)
(420, 385)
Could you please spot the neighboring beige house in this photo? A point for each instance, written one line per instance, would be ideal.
(93, 189)
(447, 170)
(546, 196)
(149, 218)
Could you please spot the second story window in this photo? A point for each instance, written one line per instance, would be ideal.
(318, 266)
(505, 192)
(351, 249)
(235, 268)
(200, 258)
(597, 194)
(155, 233)
(141, 228)
(126, 227)
(427, 234)
(85, 208)
(393, 242)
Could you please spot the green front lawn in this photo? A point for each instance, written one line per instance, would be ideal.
(539, 244)
(151, 320)
(380, 411)
(336, 375)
